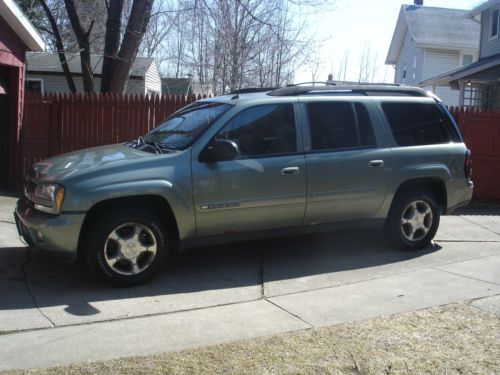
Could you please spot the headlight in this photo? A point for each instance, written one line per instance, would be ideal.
(48, 198)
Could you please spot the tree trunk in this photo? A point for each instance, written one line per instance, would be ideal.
(83, 38)
(136, 27)
(59, 46)
(112, 42)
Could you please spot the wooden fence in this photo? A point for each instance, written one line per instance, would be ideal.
(58, 123)
(481, 132)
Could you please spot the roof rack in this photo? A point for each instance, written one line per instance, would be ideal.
(250, 90)
(359, 89)
(313, 83)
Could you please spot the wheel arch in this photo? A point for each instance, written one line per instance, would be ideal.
(155, 203)
(434, 185)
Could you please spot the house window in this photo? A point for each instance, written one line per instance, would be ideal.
(494, 23)
(34, 85)
(467, 59)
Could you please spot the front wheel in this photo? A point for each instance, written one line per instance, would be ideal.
(127, 247)
(413, 220)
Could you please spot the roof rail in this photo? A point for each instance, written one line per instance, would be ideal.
(363, 89)
(250, 90)
(313, 83)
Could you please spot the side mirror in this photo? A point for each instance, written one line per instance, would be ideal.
(219, 150)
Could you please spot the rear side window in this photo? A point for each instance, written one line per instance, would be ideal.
(339, 125)
(416, 124)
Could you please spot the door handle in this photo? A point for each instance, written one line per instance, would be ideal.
(376, 163)
(289, 170)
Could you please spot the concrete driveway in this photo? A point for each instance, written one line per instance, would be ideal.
(54, 313)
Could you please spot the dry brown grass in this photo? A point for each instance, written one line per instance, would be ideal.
(452, 339)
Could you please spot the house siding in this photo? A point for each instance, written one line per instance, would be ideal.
(135, 86)
(408, 51)
(153, 79)
(488, 47)
(57, 83)
(439, 62)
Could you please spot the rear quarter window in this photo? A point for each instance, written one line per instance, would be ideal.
(417, 124)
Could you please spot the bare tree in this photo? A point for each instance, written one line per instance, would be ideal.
(59, 46)
(367, 65)
(118, 58)
(83, 38)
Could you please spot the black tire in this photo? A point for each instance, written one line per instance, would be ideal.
(113, 236)
(412, 232)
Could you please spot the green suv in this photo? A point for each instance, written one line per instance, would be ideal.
(250, 165)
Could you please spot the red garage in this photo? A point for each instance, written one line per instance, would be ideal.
(17, 35)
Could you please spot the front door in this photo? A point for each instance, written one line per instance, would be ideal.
(264, 187)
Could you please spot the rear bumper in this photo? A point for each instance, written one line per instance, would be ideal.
(55, 234)
(459, 193)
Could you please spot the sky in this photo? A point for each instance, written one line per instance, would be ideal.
(352, 25)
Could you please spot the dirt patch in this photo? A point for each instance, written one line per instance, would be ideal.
(452, 339)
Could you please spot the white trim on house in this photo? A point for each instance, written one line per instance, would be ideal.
(18, 22)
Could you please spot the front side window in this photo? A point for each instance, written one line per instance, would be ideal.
(184, 126)
(263, 130)
(494, 23)
(335, 125)
(417, 124)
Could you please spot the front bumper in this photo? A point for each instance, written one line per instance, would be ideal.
(56, 234)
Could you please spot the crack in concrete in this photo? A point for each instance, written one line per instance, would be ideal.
(290, 313)
(467, 277)
(261, 273)
(479, 225)
(28, 288)
(7, 222)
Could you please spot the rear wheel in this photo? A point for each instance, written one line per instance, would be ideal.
(413, 220)
(126, 247)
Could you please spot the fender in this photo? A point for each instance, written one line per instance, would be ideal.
(181, 205)
(436, 171)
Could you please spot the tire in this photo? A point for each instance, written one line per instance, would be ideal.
(413, 220)
(126, 247)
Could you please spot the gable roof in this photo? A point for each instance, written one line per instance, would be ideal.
(175, 86)
(434, 28)
(49, 63)
(484, 6)
(18, 22)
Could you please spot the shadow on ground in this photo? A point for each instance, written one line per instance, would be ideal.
(230, 267)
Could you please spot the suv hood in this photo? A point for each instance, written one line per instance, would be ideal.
(58, 167)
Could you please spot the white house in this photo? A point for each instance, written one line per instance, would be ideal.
(478, 84)
(429, 41)
(44, 73)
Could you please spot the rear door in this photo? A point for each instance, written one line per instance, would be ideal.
(348, 166)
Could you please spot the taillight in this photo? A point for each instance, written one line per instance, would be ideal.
(468, 164)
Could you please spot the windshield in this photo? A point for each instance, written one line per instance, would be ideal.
(184, 126)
